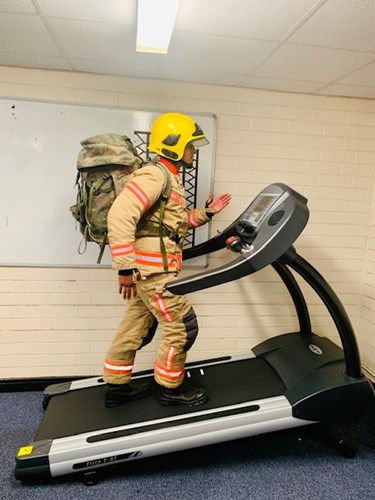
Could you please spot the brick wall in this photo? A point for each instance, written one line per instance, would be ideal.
(59, 321)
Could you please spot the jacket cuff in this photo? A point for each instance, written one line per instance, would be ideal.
(126, 272)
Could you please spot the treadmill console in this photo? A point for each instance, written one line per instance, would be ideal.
(253, 216)
(261, 235)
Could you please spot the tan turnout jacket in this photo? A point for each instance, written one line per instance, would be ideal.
(140, 193)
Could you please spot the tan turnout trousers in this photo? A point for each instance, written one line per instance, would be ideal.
(154, 305)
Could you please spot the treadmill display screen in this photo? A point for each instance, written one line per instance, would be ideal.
(258, 208)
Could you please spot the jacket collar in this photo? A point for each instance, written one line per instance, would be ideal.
(170, 166)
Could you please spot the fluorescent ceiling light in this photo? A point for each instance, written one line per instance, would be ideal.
(155, 24)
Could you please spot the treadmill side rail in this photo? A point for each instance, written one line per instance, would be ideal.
(90, 451)
(272, 414)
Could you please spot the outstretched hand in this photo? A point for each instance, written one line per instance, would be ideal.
(218, 203)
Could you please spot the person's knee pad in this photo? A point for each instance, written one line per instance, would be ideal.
(150, 334)
(191, 326)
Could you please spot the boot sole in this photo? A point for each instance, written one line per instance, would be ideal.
(170, 402)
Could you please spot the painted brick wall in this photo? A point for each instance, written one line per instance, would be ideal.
(59, 321)
(367, 313)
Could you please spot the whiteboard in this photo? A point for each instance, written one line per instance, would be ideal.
(39, 145)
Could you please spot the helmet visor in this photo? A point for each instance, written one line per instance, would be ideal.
(198, 143)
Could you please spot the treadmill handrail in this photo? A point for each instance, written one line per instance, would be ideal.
(272, 238)
(297, 296)
(218, 241)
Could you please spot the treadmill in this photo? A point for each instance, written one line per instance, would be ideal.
(291, 380)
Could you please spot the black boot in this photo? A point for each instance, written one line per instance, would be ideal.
(118, 394)
(184, 395)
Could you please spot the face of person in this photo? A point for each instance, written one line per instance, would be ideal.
(189, 154)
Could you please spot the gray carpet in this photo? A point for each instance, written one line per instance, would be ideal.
(293, 464)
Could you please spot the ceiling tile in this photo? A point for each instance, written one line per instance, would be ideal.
(344, 24)
(25, 34)
(281, 85)
(242, 18)
(108, 11)
(35, 61)
(17, 6)
(103, 67)
(307, 63)
(200, 76)
(235, 43)
(93, 40)
(192, 51)
(364, 77)
(346, 90)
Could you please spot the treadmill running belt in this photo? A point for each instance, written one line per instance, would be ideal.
(83, 410)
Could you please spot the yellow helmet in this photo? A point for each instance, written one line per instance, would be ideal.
(171, 132)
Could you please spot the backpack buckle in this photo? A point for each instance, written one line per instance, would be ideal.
(174, 237)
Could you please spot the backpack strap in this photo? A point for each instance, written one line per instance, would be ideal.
(93, 188)
(145, 227)
(163, 201)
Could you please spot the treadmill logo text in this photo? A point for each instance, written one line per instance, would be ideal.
(107, 460)
(315, 349)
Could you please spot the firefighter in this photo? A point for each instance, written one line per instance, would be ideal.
(144, 268)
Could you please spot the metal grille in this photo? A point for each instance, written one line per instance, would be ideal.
(141, 147)
(189, 178)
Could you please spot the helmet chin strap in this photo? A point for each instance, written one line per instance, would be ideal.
(181, 163)
(186, 165)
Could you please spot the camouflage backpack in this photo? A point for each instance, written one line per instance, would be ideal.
(105, 164)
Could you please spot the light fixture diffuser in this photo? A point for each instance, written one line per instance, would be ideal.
(155, 22)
